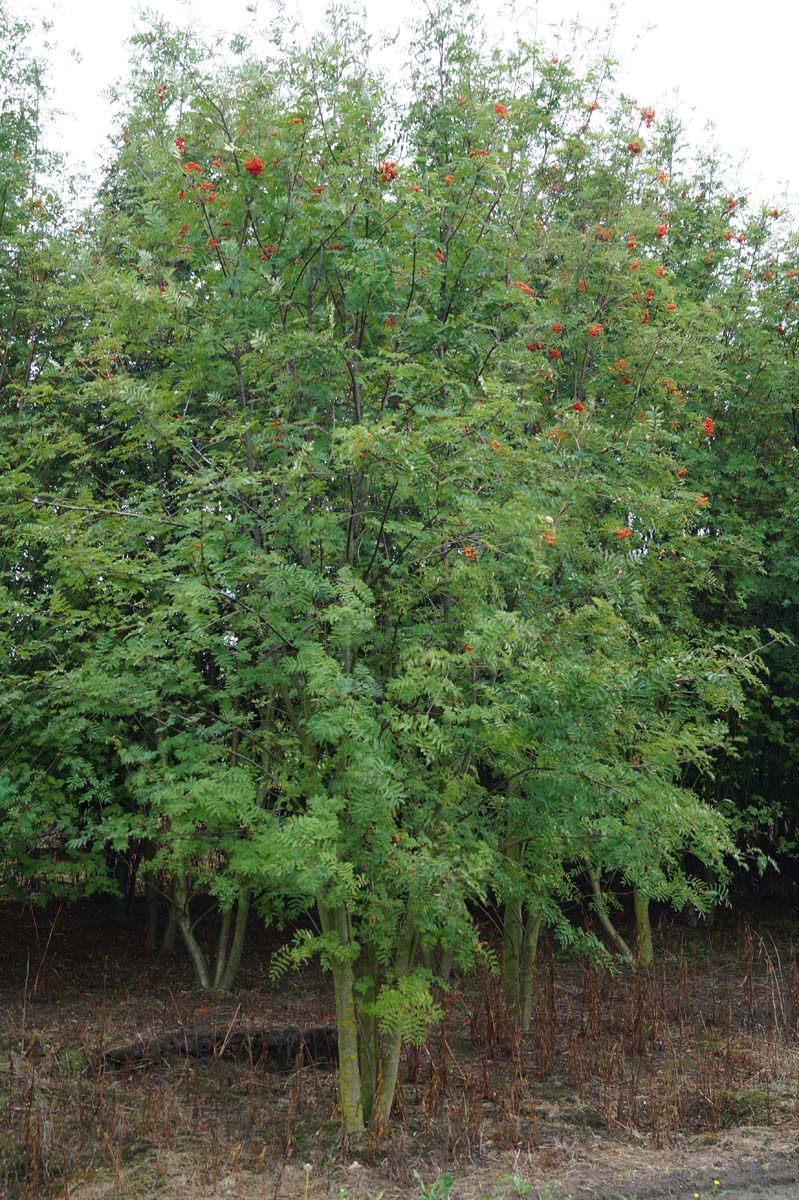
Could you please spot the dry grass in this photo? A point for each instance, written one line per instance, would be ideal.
(623, 1074)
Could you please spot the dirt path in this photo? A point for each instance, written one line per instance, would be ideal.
(749, 1181)
(745, 1164)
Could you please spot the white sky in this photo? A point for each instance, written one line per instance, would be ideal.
(715, 60)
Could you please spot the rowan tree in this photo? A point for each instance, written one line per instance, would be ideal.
(371, 508)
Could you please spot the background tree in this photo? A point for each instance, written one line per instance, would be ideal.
(49, 769)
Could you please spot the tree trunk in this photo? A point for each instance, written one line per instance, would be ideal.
(171, 928)
(512, 930)
(389, 1071)
(151, 900)
(349, 1077)
(643, 926)
(392, 1046)
(368, 1046)
(194, 948)
(225, 926)
(604, 918)
(529, 954)
(237, 945)
(120, 911)
(438, 961)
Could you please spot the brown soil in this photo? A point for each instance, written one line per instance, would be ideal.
(635, 1088)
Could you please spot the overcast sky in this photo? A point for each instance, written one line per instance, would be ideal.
(718, 62)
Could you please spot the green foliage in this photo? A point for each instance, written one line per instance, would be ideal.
(439, 1189)
(407, 1007)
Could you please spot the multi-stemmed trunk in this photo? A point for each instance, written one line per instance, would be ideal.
(220, 975)
(180, 898)
(521, 927)
(601, 910)
(368, 1059)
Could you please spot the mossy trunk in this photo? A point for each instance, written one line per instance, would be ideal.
(512, 931)
(368, 1047)
(601, 909)
(334, 920)
(392, 1043)
(389, 1072)
(643, 929)
(529, 955)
